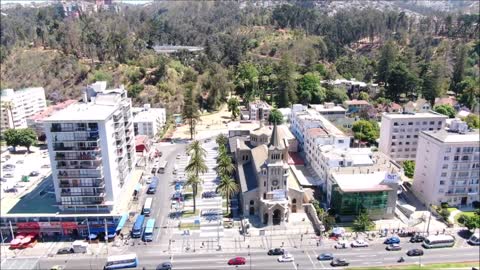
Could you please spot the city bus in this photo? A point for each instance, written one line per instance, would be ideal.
(121, 261)
(138, 227)
(147, 207)
(163, 166)
(148, 234)
(152, 188)
(439, 241)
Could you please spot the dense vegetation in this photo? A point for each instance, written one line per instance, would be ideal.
(279, 54)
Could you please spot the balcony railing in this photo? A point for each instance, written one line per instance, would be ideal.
(85, 194)
(94, 185)
(78, 157)
(63, 175)
(79, 167)
(96, 201)
(76, 148)
(77, 129)
(79, 139)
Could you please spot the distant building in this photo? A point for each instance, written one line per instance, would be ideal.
(447, 166)
(420, 105)
(356, 106)
(17, 106)
(259, 110)
(35, 122)
(148, 121)
(450, 100)
(353, 87)
(330, 111)
(286, 112)
(92, 151)
(399, 132)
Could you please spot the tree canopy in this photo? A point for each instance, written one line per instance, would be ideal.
(366, 131)
(445, 109)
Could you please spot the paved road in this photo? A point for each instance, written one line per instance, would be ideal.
(306, 259)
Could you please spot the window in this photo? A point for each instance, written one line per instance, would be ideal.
(445, 166)
(408, 136)
(415, 136)
(465, 158)
(394, 137)
(439, 122)
(410, 123)
(432, 122)
(455, 158)
(442, 182)
(444, 174)
(395, 123)
(448, 150)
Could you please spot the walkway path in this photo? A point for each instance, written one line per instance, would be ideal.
(451, 218)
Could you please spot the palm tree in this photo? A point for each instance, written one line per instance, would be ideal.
(221, 139)
(227, 188)
(195, 167)
(225, 165)
(193, 181)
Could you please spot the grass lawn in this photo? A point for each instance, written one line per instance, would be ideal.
(451, 209)
(424, 266)
(469, 214)
(186, 214)
(188, 226)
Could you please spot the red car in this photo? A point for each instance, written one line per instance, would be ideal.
(237, 261)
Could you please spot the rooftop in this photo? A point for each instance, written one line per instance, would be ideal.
(259, 104)
(380, 162)
(429, 114)
(327, 108)
(316, 132)
(361, 182)
(356, 102)
(148, 115)
(83, 112)
(358, 156)
(453, 137)
(51, 109)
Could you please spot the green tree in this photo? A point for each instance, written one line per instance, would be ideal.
(362, 223)
(337, 95)
(286, 85)
(471, 222)
(409, 168)
(363, 96)
(366, 131)
(12, 138)
(246, 80)
(445, 109)
(275, 116)
(221, 139)
(134, 90)
(227, 187)
(100, 75)
(310, 89)
(400, 81)
(386, 62)
(473, 121)
(458, 68)
(432, 82)
(27, 137)
(195, 167)
(225, 165)
(190, 108)
(233, 107)
(470, 93)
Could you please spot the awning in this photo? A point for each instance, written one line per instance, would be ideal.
(122, 221)
(101, 230)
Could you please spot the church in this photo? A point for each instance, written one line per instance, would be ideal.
(269, 190)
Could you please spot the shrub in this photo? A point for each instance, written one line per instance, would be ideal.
(476, 204)
(445, 213)
(444, 205)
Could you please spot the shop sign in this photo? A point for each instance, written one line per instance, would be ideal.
(28, 225)
(69, 225)
(50, 225)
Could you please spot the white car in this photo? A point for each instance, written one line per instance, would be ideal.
(359, 243)
(287, 257)
(341, 244)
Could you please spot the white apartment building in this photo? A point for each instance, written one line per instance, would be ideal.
(92, 151)
(259, 110)
(330, 111)
(17, 106)
(147, 121)
(399, 132)
(447, 167)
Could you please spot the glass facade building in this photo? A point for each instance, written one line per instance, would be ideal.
(352, 203)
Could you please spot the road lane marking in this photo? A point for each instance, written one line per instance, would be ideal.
(308, 255)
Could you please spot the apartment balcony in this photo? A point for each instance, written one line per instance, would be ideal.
(76, 148)
(79, 139)
(71, 175)
(83, 194)
(67, 184)
(96, 200)
(61, 156)
(79, 167)
(75, 129)
(117, 116)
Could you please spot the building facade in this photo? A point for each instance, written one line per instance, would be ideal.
(447, 167)
(148, 121)
(259, 110)
(399, 132)
(35, 122)
(92, 151)
(18, 106)
(267, 188)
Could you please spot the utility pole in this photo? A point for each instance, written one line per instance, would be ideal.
(106, 234)
(429, 219)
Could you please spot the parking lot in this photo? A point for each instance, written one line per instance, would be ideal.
(21, 171)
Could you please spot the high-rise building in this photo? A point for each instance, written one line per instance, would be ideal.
(92, 151)
(447, 166)
(399, 132)
(17, 106)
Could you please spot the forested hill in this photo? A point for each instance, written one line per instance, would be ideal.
(278, 53)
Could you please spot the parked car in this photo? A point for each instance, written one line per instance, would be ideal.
(415, 252)
(393, 247)
(339, 262)
(325, 257)
(8, 175)
(19, 161)
(57, 267)
(417, 239)
(45, 166)
(392, 240)
(237, 261)
(164, 266)
(34, 173)
(341, 244)
(8, 190)
(276, 251)
(359, 243)
(65, 250)
(209, 194)
(154, 170)
(286, 257)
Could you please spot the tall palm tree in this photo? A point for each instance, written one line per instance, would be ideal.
(227, 188)
(225, 165)
(195, 167)
(193, 181)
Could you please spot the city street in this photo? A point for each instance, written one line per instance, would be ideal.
(149, 258)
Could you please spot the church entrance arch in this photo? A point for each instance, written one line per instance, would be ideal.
(277, 217)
